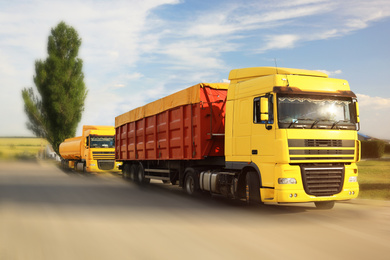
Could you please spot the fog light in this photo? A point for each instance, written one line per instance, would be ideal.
(353, 192)
(290, 195)
(353, 179)
(295, 195)
(287, 181)
(350, 193)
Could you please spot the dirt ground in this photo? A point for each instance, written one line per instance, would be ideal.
(46, 213)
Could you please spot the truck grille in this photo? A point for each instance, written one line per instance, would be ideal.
(106, 165)
(323, 143)
(103, 155)
(322, 181)
(321, 150)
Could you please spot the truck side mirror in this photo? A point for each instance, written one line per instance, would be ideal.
(357, 112)
(264, 109)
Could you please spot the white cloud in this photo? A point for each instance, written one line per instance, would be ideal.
(111, 32)
(374, 103)
(133, 54)
(334, 19)
(374, 115)
(135, 75)
(280, 42)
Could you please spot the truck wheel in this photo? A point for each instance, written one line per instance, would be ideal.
(252, 188)
(84, 168)
(324, 204)
(141, 176)
(191, 182)
(133, 172)
(126, 172)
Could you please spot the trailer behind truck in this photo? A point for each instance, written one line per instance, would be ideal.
(273, 135)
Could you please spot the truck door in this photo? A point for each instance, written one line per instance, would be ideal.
(263, 129)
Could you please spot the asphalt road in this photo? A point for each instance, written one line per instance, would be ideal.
(46, 213)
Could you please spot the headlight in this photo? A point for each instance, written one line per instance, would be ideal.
(353, 179)
(287, 181)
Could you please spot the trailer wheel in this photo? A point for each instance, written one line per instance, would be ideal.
(191, 183)
(126, 171)
(133, 172)
(252, 188)
(324, 204)
(141, 176)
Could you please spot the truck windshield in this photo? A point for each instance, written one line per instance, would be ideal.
(102, 142)
(316, 112)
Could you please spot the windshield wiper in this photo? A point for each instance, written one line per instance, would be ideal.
(317, 121)
(314, 123)
(338, 122)
(296, 121)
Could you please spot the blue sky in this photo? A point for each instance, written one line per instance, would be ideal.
(135, 52)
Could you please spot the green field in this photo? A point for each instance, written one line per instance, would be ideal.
(20, 147)
(374, 179)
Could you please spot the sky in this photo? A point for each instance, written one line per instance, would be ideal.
(135, 52)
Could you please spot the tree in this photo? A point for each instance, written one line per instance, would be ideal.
(56, 111)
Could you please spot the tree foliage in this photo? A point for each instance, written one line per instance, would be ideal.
(56, 110)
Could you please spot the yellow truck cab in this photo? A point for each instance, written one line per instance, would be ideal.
(94, 151)
(297, 129)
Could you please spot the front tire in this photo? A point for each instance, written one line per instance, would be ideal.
(253, 188)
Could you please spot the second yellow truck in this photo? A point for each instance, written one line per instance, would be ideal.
(93, 151)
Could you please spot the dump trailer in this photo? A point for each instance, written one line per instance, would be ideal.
(273, 135)
(94, 151)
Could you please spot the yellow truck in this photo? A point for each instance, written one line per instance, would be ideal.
(294, 133)
(92, 152)
(273, 135)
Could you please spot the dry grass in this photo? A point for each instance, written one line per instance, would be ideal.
(19, 147)
(374, 179)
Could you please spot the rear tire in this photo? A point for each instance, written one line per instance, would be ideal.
(126, 172)
(141, 176)
(191, 182)
(324, 204)
(133, 172)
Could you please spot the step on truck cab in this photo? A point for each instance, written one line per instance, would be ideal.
(94, 151)
(273, 135)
